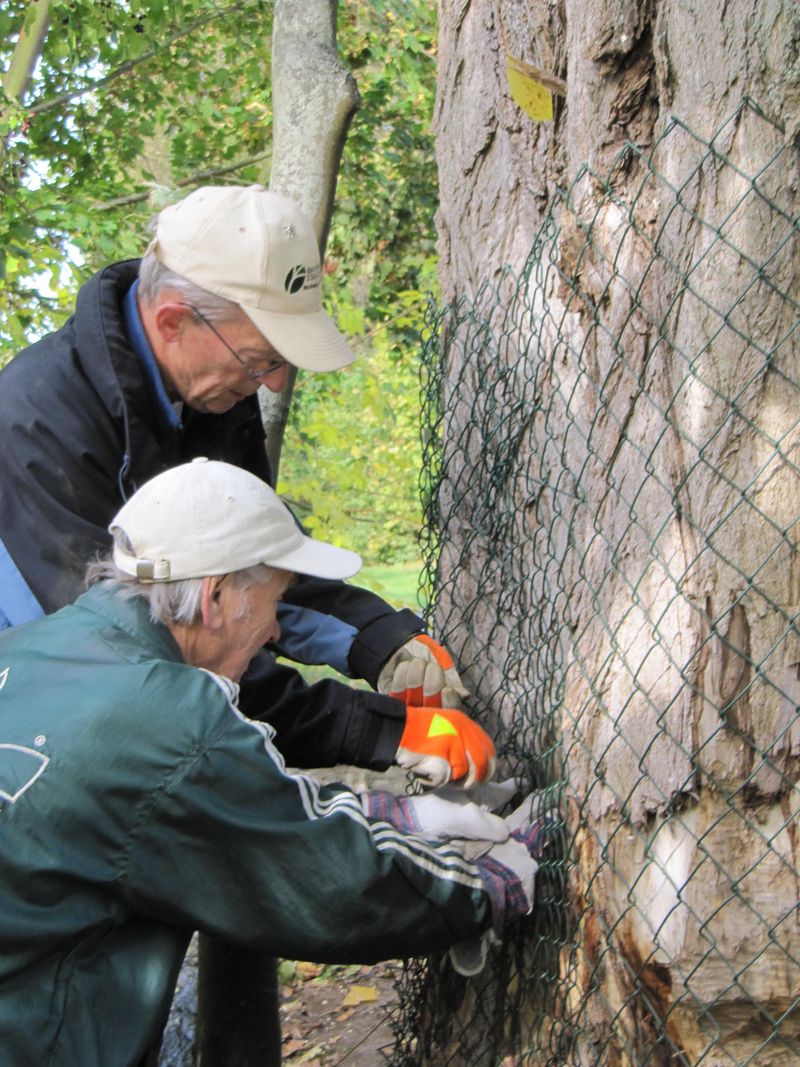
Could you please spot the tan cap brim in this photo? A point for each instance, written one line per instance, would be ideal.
(311, 341)
(318, 559)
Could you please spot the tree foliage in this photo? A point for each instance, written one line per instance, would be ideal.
(133, 104)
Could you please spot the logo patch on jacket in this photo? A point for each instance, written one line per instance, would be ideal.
(20, 766)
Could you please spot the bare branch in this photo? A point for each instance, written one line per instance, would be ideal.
(194, 179)
(27, 49)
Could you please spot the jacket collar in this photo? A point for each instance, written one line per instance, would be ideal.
(111, 364)
(130, 618)
(134, 328)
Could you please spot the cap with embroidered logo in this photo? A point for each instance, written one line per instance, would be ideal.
(258, 249)
(206, 518)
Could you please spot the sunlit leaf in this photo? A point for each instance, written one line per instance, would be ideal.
(533, 97)
(360, 994)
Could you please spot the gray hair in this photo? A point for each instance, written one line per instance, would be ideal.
(171, 602)
(154, 278)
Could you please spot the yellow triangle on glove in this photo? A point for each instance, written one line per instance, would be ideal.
(440, 726)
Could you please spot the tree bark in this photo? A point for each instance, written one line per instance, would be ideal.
(620, 461)
(314, 99)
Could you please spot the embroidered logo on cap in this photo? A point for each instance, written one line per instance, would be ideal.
(301, 277)
(294, 279)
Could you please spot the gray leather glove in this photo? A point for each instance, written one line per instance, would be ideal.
(422, 674)
(490, 795)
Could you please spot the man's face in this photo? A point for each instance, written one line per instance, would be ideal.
(249, 621)
(203, 368)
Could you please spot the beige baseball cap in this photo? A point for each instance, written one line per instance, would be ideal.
(258, 249)
(205, 518)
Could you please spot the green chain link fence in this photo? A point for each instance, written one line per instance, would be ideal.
(611, 481)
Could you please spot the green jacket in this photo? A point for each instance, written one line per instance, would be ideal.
(138, 804)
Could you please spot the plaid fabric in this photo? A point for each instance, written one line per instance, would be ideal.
(504, 890)
(396, 810)
(538, 835)
(509, 900)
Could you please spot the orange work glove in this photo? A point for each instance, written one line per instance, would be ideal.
(422, 673)
(440, 745)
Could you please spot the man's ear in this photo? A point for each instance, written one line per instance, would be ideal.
(211, 602)
(170, 320)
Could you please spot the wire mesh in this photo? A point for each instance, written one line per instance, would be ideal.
(611, 486)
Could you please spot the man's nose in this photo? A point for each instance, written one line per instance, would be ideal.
(276, 381)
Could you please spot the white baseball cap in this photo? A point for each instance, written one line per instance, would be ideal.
(206, 518)
(258, 249)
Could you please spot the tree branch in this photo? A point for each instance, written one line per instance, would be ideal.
(193, 179)
(131, 64)
(26, 50)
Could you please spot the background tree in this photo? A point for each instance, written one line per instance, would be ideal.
(314, 99)
(618, 498)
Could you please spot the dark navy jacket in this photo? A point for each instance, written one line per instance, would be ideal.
(82, 426)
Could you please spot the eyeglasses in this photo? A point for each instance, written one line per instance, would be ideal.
(253, 373)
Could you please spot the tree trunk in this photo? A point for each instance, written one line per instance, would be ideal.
(619, 493)
(314, 98)
(311, 120)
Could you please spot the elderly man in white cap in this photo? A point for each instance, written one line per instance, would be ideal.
(161, 362)
(139, 803)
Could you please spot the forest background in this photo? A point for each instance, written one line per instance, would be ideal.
(121, 108)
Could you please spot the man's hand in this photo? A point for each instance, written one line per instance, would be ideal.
(509, 872)
(437, 819)
(443, 745)
(422, 673)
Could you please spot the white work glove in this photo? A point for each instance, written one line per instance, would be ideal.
(437, 819)
(509, 869)
(422, 673)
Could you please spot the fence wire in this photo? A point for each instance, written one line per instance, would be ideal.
(611, 444)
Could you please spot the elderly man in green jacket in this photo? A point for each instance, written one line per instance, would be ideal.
(139, 804)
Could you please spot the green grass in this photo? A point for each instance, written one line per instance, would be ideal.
(396, 583)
